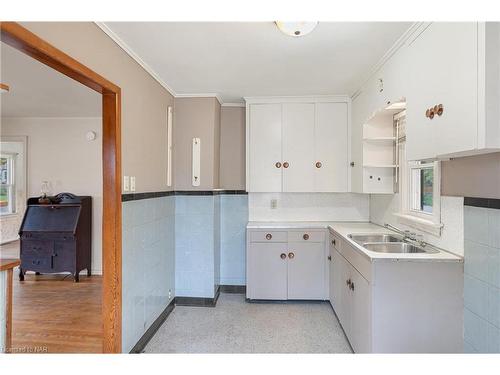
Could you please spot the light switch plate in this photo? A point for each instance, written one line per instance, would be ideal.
(126, 183)
(132, 183)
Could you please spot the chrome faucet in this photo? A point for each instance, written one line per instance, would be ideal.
(407, 235)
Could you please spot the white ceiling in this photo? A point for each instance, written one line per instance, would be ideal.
(234, 60)
(39, 91)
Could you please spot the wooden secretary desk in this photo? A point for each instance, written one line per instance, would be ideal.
(57, 237)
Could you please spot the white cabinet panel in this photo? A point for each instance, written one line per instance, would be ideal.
(444, 70)
(264, 148)
(298, 147)
(267, 271)
(360, 313)
(306, 276)
(331, 147)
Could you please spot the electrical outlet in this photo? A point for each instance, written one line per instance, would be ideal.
(126, 183)
(132, 183)
(170, 294)
(274, 204)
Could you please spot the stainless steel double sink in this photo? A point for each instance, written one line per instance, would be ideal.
(389, 243)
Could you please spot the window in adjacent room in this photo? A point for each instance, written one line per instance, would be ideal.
(7, 185)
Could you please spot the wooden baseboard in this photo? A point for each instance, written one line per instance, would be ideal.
(148, 335)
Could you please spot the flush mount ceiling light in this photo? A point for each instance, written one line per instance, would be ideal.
(4, 88)
(296, 29)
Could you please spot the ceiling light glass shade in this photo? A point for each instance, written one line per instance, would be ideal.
(296, 29)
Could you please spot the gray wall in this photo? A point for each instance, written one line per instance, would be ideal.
(474, 176)
(200, 118)
(232, 148)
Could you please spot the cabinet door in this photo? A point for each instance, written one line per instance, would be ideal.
(360, 333)
(444, 63)
(264, 148)
(298, 147)
(267, 271)
(306, 265)
(331, 147)
(341, 292)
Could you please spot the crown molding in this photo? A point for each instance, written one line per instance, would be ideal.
(233, 105)
(134, 56)
(400, 42)
(297, 98)
(201, 95)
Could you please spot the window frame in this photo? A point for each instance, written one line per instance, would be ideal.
(424, 221)
(11, 183)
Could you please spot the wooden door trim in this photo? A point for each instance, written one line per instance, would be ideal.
(25, 41)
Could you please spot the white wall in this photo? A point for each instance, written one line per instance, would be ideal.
(383, 208)
(309, 207)
(57, 151)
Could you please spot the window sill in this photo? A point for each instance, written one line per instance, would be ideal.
(421, 224)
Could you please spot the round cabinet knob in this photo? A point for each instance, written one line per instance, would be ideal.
(318, 164)
(283, 256)
(305, 236)
(286, 164)
(269, 236)
(440, 110)
(278, 164)
(431, 113)
(352, 164)
(291, 255)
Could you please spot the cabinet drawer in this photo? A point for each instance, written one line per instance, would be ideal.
(306, 236)
(37, 248)
(268, 236)
(36, 263)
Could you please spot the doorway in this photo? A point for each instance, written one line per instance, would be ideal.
(23, 40)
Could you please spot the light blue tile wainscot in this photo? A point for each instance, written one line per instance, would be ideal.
(234, 219)
(482, 280)
(148, 264)
(195, 245)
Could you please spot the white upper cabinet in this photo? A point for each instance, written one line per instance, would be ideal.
(331, 159)
(298, 147)
(444, 71)
(264, 156)
(449, 77)
(298, 144)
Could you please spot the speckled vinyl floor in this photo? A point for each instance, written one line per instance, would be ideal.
(235, 326)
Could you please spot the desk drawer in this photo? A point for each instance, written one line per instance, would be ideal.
(38, 248)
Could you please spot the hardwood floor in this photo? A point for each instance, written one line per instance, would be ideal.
(53, 314)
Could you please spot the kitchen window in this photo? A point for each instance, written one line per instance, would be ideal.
(7, 185)
(419, 187)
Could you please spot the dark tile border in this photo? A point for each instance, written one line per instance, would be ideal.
(157, 194)
(235, 289)
(148, 335)
(198, 301)
(139, 196)
(482, 202)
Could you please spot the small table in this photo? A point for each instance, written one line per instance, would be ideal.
(6, 271)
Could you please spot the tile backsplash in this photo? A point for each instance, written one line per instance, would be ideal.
(482, 280)
(309, 207)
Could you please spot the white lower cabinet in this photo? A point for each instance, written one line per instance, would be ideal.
(351, 301)
(387, 306)
(292, 269)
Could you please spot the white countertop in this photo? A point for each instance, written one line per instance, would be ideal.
(345, 228)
